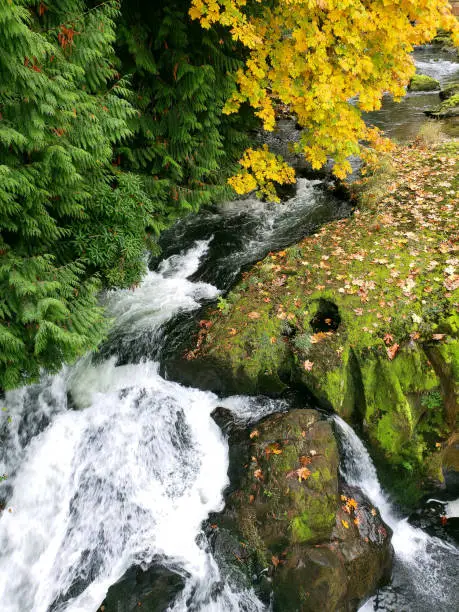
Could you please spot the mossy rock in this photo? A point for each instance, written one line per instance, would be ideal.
(423, 82)
(302, 509)
(447, 109)
(363, 315)
(340, 574)
(290, 514)
(449, 91)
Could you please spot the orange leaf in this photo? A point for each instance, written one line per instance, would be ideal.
(258, 474)
(275, 560)
(254, 434)
(303, 474)
(392, 350)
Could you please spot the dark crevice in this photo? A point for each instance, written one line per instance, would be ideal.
(327, 317)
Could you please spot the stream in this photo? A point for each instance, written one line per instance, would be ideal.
(110, 465)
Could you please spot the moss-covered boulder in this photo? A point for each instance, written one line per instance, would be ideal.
(423, 82)
(446, 109)
(363, 314)
(449, 91)
(316, 544)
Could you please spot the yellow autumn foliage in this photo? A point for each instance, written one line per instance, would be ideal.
(261, 169)
(328, 60)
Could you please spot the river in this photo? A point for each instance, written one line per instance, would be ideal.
(110, 465)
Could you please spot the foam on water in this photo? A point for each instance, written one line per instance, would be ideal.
(423, 561)
(125, 479)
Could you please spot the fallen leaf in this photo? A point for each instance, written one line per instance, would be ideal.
(254, 434)
(275, 560)
(308, 365)
(258, 474)
(345, 524)
(373, 512)
(303, 474)
(232, 332)
(254, 315)
(392, 350)
(388, 338)
(438, 336)
(305, 460)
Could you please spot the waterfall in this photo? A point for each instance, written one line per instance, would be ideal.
(126, 478)
(427, 565)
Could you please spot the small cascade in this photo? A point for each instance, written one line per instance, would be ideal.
(425, 567)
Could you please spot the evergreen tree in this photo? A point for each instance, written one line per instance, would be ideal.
(70, 221)
(93, 165)
(182, 78)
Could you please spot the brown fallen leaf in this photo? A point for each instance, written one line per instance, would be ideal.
(254, 315)
(258, 474)
(392, 350)
(254, 434)
(388, 338)
(438, 336)
(303, 473)
(308, 365)
(275, 560)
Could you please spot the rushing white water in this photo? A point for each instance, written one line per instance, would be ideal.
(439, 69)
(127, 478)
(423, 561)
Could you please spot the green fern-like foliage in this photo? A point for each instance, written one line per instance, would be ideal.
(111, 127)
(70, 221)
(181, 76)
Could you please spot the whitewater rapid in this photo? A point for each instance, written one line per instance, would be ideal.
(424, 562)
(126, 478)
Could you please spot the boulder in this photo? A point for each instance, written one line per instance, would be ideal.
(153, 590)
(291, 527)
(363, 316)
(422, 82)
(449, 91)
(447, 109)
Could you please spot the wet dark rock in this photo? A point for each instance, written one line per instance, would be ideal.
(290, 527)
(152, 590)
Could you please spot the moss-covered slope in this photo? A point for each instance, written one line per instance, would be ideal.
(364, 313)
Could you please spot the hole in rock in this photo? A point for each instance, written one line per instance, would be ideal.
(327, 317)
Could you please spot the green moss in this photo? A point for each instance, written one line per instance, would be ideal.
(301, 530)
(447, 108)
(314, 523)
(386, 274)
(449, 90)
(422, 82)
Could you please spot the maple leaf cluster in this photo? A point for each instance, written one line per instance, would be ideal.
(337, 60)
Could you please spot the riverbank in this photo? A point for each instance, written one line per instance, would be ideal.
(363, 314)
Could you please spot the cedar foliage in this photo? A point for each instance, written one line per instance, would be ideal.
(182, 77)
(98, 154)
